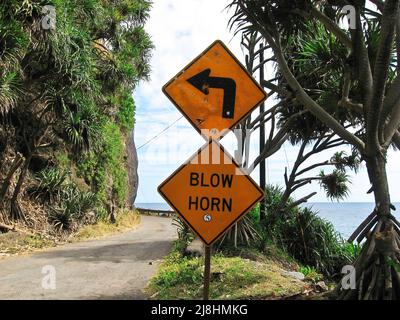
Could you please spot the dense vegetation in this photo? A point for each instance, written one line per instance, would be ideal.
(67, 72)
(309, 239)
(299, 233)
(345, 80)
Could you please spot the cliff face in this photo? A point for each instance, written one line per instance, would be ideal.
(132, 168)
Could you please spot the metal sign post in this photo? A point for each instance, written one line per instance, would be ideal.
(207, 272)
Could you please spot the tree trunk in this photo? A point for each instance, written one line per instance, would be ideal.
(377, 171)
(377, 267)
(7, 181)
(16, 212)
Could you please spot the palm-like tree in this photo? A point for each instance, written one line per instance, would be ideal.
(60, 87)
(349, 81)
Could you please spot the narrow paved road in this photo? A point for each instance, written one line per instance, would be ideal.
(116, 267)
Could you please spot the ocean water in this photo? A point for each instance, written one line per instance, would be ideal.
(345, 216)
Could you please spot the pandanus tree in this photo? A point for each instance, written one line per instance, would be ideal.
(355, 92)
(287, 121)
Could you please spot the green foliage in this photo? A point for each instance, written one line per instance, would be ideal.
(82, 126)
(63, 160)
(76, 203)
(185, 235)
(351, 250)
(306, 270)
(310, 273)
(233, 277)
(72, 207)
(73, 85)
(395, 265)
(66, 203)
(92, 169)
(9, 91)
(254, 214)
(273, 197)
(187, 271)
(126, 113)
(335, 184)
(61, 219)
(101, 214)
(342, 161)
(51, 182)
(105, 167)
(114, 152)
(308, 238)
(245, 232)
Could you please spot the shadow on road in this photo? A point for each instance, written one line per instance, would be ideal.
(116, 253)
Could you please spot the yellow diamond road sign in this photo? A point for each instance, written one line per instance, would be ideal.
(214, 91)
(210, 192)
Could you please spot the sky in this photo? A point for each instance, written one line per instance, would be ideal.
(180, 30)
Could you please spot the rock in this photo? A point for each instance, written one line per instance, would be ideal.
(293, 274)
(321, 286)
(132, 168)
(195, 249)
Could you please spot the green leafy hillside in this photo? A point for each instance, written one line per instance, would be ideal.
(67, 72)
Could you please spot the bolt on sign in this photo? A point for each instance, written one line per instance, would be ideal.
(215, 91)
(210, 192)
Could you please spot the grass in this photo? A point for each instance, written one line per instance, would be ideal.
(126, 220)
(233, 277)
(13, 243)
(311, 274)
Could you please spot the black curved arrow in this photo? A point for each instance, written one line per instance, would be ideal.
(202, 81)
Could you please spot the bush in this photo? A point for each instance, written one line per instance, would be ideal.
(50, 184)
(72, 207)
(310, 273)
(308, 238)
(185, 235)
(245, 233)
(106, 167)
(61, 219)
(77, 203)
(67, 204)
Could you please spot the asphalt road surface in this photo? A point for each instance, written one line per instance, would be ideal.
(116, 267)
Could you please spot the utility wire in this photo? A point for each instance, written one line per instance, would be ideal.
(159, 134)
(288, 165)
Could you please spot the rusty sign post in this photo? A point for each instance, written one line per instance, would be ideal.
(207, 273)
(210, 192)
